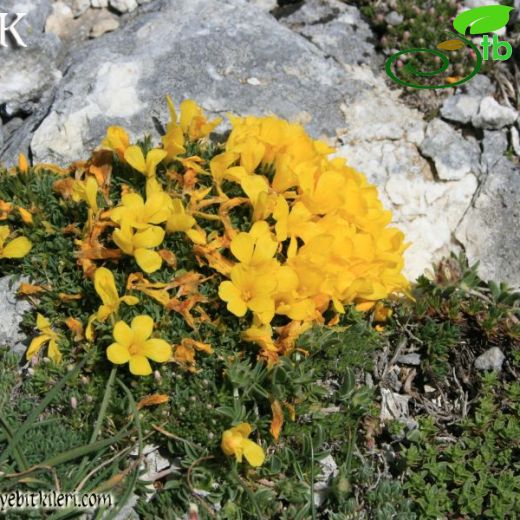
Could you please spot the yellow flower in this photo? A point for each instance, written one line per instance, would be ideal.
(260, 334)
(117, 140)
(249, 288)
(86, 191)
(256, 247)
(23, 163)
(134, 212)
(139, 244)
(105, 286)
(193, 122)
(16, 248)
(133, 345)
(235, 442)
(173, 142)
(47, 336)
(181, 221)
(26, 215)
(381, 312)
(135, 158)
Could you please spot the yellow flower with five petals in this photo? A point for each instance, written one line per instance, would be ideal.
(135, 212)
(134, 345)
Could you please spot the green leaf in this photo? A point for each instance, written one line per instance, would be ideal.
(483, 19)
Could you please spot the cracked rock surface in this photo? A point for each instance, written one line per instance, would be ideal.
(447, 180)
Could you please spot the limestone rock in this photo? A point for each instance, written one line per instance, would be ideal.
(59, 21)
(11, 314)
(489, 230)
(479, 86)
(460, 108)
(381, 140)
(336, 28)
(493, 115)
(492, 359)
(515, 140)
(265, 5)
(106, 23)
(124, 78)
(123, 6)
(31, 26)
(453, 155)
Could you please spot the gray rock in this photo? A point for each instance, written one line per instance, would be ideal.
(329, 469)
(393, 405)
(27, 75)
(489, 229)
(394, 18)
(104, 24)
(123, 6)
(337, 29)
(11, 314)
(515, 140)
(124, 77)
(409, 359)
(460, 108)
(31, 26)
(314, 12)
(494, 146)
(78, 7)
(479, 86)
(492, 359)
(453, 155)
(493, 115)
(98, 4)
(265, 5)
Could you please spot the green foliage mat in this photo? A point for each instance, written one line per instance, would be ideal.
(71, 425)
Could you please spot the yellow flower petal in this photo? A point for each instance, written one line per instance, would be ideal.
(230, 294)
(148, 238)
(42, 322)
(140, 366)
(142, 328)
(17, 248)
(36, 344)
(242, 247)
(148, 261)
(23, 163)
(135, 158)
(153, 158)
(105, 285)
(53, 352)
(123, 334)
(130, 300)
(253, 453)
(157, 350)
(118, 354)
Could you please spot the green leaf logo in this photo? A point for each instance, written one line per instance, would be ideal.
(482, 20)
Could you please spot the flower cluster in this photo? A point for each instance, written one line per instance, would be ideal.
(291, 232)
(319, 237)
(267, 233)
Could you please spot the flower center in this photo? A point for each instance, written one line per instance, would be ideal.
(133, 349)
